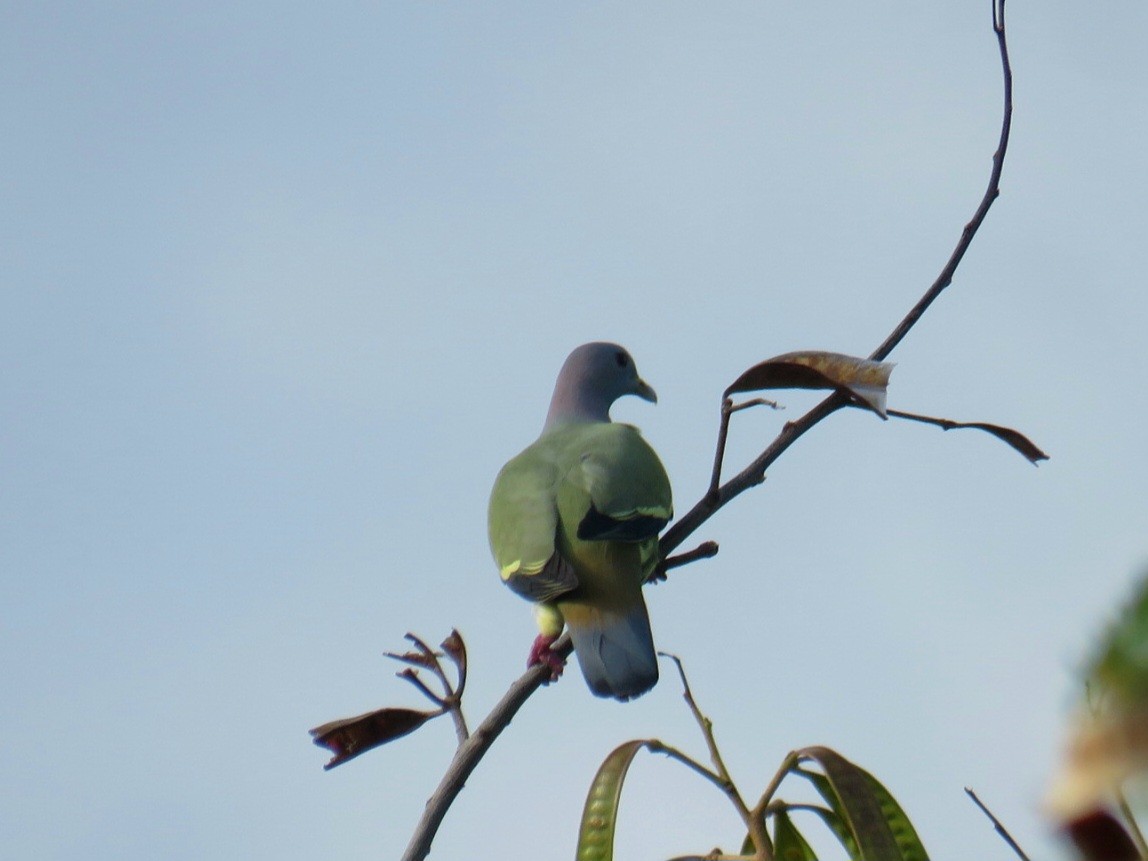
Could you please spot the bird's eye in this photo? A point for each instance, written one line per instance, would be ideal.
(620, 358)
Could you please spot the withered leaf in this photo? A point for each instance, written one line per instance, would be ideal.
(1014, 438)
(866, 380)
(455, 648)
(418, 659)
(349, 737)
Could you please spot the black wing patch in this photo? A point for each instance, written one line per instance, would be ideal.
(556, 578)
(596, 526)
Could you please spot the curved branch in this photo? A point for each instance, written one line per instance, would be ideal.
(990, 195)
(754, 474)
(470, 753)
(473, 749)
(751, 476)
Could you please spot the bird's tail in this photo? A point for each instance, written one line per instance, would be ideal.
(615, 648)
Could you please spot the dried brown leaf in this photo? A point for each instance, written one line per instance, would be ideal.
(1014, 438)
(455, 649)
(866, 380)
(418, 659)
(349, 737)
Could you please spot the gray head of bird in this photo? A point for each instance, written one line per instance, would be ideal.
(592, 378)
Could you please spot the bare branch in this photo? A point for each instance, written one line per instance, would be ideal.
(411, 676)
(655, 746)
(427, 658)
(755, 402)
(1000, 829)
(754, 474)
(434, 664)
(471, 752)
(751, 476)
(725, 785)
(705, 550)
(455, 649)
(728, 408)
(719, 449)
(754, 823)
(990, 195)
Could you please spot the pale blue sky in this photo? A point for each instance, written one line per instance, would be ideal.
(283, 287)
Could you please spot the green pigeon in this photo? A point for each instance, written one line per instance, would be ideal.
(574, 522)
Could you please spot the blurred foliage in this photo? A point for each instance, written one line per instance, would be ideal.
(1117, 677)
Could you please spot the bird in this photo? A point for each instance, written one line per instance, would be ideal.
(574, 520)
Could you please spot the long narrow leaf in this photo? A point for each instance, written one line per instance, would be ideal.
(903, 831)
(1014, 438)
(834, 819)
(350, 737)
(600, 815)
(875, 821)
(832, 822)
(788, 844)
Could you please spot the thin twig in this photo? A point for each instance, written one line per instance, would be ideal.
(653, 745)
(719, 449)
(470, 753)
(1000, 829)
(754, 824)
(454, 706)
(451, 699)
(943, 424)
(411, 676)
(991, 194)
(728, 408)
(705, 550)
(435, 663)
(751, 476)
(766, 797)
(755, 402)
(455, 648)
(703, 722)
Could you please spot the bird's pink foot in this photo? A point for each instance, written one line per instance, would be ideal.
(541, 653)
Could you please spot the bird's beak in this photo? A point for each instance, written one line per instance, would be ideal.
(645, 391)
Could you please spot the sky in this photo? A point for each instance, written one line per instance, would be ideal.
(282, 288)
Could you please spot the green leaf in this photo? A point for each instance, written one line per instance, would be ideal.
(788, 844)
(1108, 741)
(833, 819)
(600, 815)
(903, 831)
(876, 828)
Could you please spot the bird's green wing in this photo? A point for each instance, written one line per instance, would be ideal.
(627, 486)
(523, 524)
